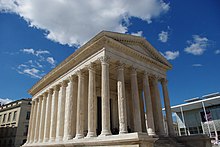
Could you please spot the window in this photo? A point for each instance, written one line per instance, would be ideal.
(4, 117)
(26, 130)
(0, 118)
(193, 130)
(28, 115)
(15, 116)
(9, 117)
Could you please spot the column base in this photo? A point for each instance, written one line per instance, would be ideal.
(91, 134)
(46, 139)
(150, 132)
(79, 136)
(59, 138)
(52, 139)
(105, 133)
(123, 132)
(68, 137)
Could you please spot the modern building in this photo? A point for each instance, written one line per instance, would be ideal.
(200, 115)
(14, 121)
(97, 96)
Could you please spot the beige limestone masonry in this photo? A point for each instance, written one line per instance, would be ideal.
(105, 93)
(14, 122)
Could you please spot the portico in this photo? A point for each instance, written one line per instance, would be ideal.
(124, 71)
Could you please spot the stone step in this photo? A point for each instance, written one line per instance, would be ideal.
(168, 142)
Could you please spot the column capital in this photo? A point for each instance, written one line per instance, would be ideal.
(71, 78)
(156, 77)
(45, 94)
(147, 74)
(164, 81)
(91, 66)
(40, 97)
(33, 102)
(56, 87)
(64, 83)
(133, 70)
(50, 91)
(105, 59)
(80, 73)
(120, 65)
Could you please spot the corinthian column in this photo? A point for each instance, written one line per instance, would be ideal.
(136, 101)
(105, 97)
(122, 112)
(53, 122)
(69, 110)
(31, 121)
(37, 127)
(92, 103)
(149, 109)
(167, 108)
(42, 119)
(48, 116)
(61, 111)
(158, 108)
(80, 108)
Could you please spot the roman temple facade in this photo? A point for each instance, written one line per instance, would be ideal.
(105, 93)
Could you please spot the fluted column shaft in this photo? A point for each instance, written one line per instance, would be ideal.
(31, 122)
(136, 101)
(167, 108)
(80, 106)
(42, 118)
(74, 114)
(92, 103)
(53, 122)
(69, 110)
(34, 121)
(37, 127)
(158, 107)
(48, 116)
(122, 112)
(149, 109)
(61, 111)
(105, 97)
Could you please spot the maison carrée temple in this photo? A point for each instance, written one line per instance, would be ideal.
(105, 94)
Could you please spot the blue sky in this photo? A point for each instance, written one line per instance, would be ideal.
(37, 35)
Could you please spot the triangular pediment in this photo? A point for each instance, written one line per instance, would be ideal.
(138, 44)
(140, 49)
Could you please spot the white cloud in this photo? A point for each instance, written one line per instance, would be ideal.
(51, 61)
(139, 33)
(197, 65)
(74, 22)
(163, 36)
(35, 67)
(197, 46)
(5, 100)
(217, 52)
(28, 51)
(171, 55)
(35, 52)
(33, 72)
